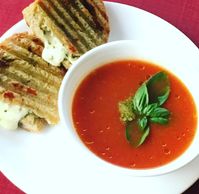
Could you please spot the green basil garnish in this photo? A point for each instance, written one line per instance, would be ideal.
(159, 120)
(158, 88)
(159, 112)
(142, 123)
(144, 136)
(141, 98)
(134, 135)
(144, 107)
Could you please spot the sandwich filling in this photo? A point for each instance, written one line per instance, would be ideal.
(10, 115)
(54, 51)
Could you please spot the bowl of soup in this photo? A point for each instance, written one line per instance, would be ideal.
(132, 107)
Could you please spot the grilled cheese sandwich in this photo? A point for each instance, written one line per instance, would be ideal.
(68, 28)
(28, 85)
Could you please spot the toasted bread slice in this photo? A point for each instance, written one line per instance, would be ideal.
(71, 26)
(26, 80)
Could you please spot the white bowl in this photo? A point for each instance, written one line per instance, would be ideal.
(167, 56)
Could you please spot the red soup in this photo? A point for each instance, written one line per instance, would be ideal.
(97, 119)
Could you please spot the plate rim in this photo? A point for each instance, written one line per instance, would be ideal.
(21, 23)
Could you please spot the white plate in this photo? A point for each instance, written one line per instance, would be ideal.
(50, 162)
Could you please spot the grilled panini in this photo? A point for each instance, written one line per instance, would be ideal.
(68, 28)
(28, 84)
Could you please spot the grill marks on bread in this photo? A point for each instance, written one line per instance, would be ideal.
(33, 82)
(79, 24)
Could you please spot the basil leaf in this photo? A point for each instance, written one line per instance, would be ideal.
(142, 123)
(144, 136)
(141, 98)
(162, 99)
(128, 131)
(135, 136)
(160, 112)
(159, 120)
(137, 112)
(150, 108)
(158, 88)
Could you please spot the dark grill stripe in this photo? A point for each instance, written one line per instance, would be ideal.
(27, 74)
(84, 13)
(72, 26)
(81, 20)
(28, 45)
(30, 59)
(101, 8)
(99, 17)
(92, 11)
(58, 16)
(61, 27)
(32, 82)
(81, 13)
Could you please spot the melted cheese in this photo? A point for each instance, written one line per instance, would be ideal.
(10, 115)
(54, 52)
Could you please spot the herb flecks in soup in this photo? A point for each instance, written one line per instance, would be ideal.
(138, 111)
(97, 119)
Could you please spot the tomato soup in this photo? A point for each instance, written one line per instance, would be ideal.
(97, 119)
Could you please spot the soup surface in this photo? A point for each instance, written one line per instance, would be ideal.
(97, 119)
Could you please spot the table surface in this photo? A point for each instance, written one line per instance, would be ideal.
(184, 14)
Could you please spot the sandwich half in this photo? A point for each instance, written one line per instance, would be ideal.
(68, 28)
(28, 85)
